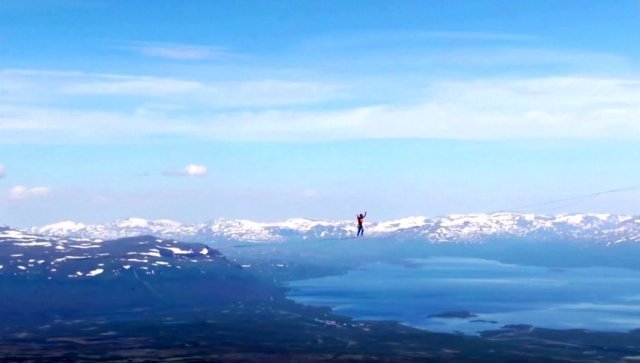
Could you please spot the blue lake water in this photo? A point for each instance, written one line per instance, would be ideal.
(498, 294)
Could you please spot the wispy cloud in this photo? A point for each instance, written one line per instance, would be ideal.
(526, 57)
(476, 35)
(31, 86)
(184, 52)
(400, 39)
(547, 107)
(3, 170)
(437, 52)
(136, 86)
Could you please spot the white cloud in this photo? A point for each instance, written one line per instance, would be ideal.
(195, 170)
(3, 170)
(191, 170)
(20, 192)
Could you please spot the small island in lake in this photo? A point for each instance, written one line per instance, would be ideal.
(463, 314)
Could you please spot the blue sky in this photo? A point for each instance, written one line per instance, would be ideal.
(269, 110)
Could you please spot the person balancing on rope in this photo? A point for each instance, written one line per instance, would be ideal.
(360, 218)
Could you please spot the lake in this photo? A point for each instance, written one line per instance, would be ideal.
(469, 295)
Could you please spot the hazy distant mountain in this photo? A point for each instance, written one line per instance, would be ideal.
(603, 228)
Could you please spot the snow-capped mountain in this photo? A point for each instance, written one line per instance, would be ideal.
(53, 257)
(605, 228)
(228, 230)
(45, 279)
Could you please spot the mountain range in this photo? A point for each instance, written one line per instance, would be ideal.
(468, 228)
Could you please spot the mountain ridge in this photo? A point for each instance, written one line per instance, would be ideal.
(469, 228)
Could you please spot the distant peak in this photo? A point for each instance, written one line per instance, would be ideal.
(64, 225)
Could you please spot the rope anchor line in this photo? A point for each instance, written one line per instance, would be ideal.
(577, 198)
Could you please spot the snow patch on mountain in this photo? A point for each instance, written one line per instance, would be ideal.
(60, 228)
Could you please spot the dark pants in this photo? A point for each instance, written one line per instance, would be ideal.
(360, 230)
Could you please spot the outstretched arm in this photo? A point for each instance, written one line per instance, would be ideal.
(365, 213)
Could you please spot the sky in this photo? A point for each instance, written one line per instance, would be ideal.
(267, 110)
